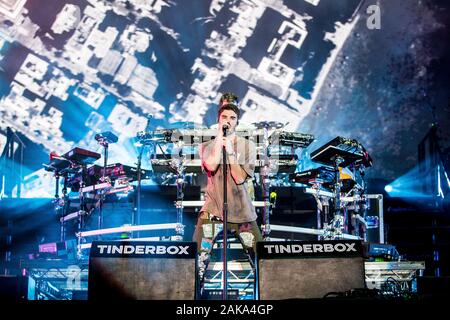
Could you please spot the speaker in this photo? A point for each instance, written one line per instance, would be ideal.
(15, 288)
(375, 219)
(305, 270)
(142, 270)
(434, 287)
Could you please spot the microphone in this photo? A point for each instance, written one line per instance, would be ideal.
(225, 127)
(107, 137)
(149, 118)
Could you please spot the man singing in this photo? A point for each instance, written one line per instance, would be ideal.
(241, 158)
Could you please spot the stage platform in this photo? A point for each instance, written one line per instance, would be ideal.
(54, 279)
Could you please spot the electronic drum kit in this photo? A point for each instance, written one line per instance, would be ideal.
(174, 153)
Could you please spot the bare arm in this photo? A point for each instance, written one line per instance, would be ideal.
(212, 160)
(237, 172)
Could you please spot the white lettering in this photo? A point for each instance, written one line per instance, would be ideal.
(128, 249)
(269, 248)
(310, 248)
(149, 249)
(102, 247)
(183, 250)
(172, 250)
(117, 249)
(160, 250)
(374, 20)
(139, 250)
(317, 248)
(193, 310)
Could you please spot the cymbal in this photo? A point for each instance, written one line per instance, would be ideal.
(149, 141)
(268, 125)
(149, 137)
(186, 125)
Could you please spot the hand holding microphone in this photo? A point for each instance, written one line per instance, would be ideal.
(226, 141)
(225, 128)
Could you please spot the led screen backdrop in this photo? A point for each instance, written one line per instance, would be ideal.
(375, 71)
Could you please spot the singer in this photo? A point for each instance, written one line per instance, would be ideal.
(241, 158)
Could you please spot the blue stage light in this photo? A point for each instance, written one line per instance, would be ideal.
(388, 188)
